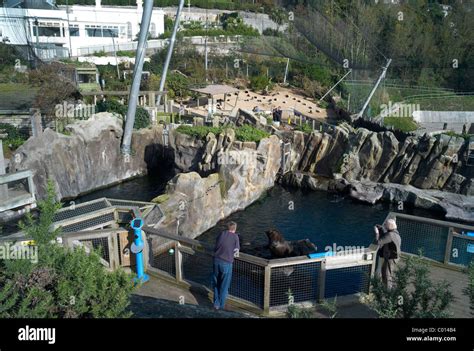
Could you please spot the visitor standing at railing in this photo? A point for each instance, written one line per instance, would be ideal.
(227, 247)
(389, 241)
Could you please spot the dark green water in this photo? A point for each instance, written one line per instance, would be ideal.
(325, 219)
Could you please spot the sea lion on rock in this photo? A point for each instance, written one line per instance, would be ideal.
(281, 248)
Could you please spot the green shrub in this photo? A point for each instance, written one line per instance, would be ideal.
(63, 283)
(126, 53)
(142, 118)
(250, 133)
(457, 135)
(198, 131)
(469, 291)
(404, 124)
(244, 133)
(177, 85)
(260, 82)
(306, 128)
(15, 138)
(413, 294)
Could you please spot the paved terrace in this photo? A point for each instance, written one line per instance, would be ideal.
(159, 298)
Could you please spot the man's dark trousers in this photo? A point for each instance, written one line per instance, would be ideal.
(222, 276)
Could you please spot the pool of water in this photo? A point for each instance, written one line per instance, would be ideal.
(139, 189)
(327, 220)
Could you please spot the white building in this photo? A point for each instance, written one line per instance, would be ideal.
(79, 27)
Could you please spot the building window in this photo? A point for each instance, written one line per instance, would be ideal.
(47, 30)
(74, 30)
(129, 30)
(102, 31)
(110, 32)
(93, 31)
(153, 30)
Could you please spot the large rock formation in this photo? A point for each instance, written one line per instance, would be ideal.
(359, 154)
(454, 206)
(242, 175)
(88, 157)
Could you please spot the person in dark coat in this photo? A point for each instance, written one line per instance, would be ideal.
(227, 247)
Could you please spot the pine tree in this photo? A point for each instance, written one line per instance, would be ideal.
(63, 283)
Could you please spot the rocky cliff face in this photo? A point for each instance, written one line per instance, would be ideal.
(88, 158)
(425, 172)
(361, 155)
(240, 176)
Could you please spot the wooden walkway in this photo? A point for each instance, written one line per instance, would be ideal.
(163, 289)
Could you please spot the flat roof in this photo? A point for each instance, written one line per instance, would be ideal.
(216, 89)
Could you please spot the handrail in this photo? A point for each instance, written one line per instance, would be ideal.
(208, 248)
(431, 221)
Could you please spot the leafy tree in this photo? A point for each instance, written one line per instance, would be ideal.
(177, 85)
(7, 55)
(260, 82)
(142, 118)
(55, 86)
(63, 283)
(413, 294)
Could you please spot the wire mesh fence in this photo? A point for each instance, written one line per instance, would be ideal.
(441, 241)
(165, 262)
(101, 245)
(294, 284)
(91, 222)
(268, 284)
(416, 236)
(248, 280)
(347, 281)
(81, 209)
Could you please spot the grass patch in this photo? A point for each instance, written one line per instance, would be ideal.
(404, 124)
(199, 132)
(457, 135)
(15, 138)
(305, 128)
(249, 133)
(244, 133)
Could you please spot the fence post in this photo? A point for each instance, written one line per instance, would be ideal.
(178, 257)
(36, 124)
(266, 289)
(449, 245)
(112, 252)
(322, 280)
(3, 187)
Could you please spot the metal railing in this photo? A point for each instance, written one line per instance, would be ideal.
(260, 284)
(444, 242)
(101, 225)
